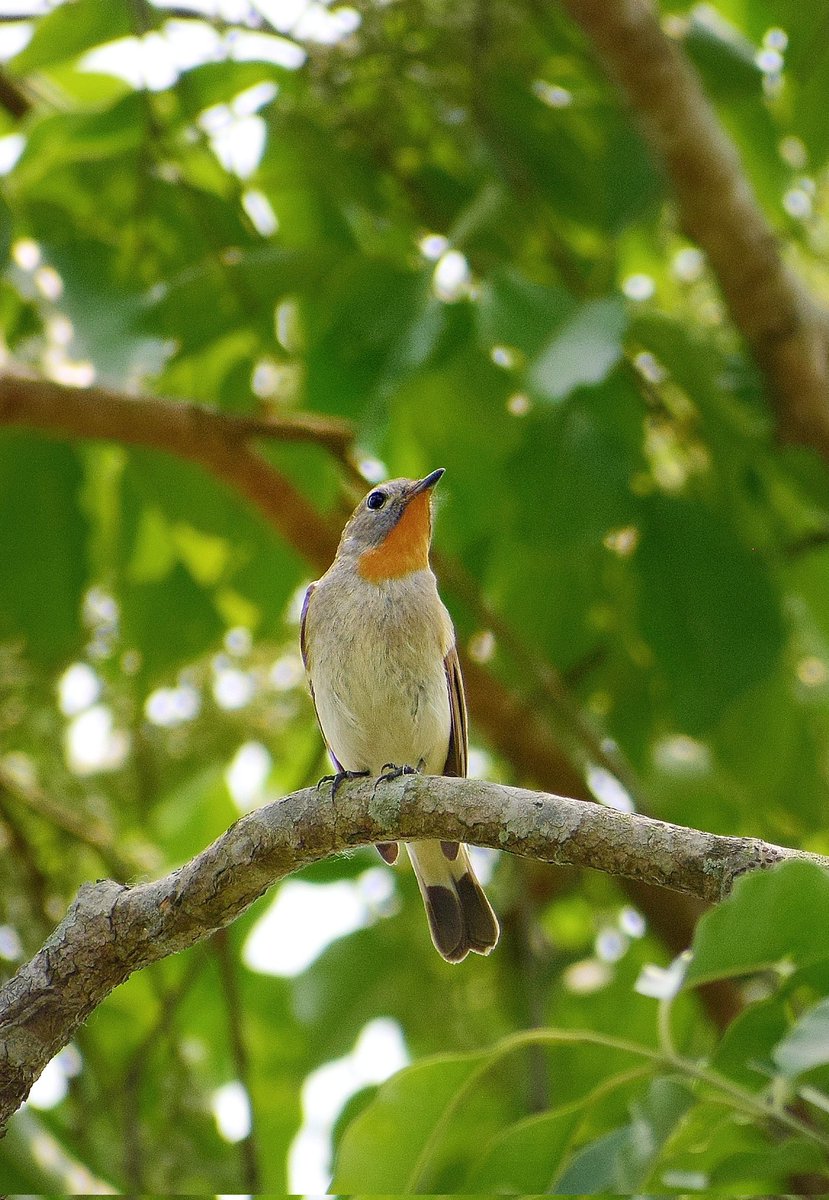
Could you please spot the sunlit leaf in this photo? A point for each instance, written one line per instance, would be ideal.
(383, 1150)
(69, 29)
(583, 350)
(806, 1045)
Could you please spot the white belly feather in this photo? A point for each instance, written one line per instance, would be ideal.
(376, 667)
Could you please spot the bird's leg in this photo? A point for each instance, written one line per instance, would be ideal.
(339, 779)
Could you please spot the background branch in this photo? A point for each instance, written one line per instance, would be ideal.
(202, 435)
(248, 1150)
(111, 930)
(782, 323)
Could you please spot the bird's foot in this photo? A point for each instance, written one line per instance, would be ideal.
(393, 771)
(339, 779)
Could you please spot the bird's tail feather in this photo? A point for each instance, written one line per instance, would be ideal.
(460, 916)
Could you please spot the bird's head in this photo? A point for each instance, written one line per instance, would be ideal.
(389, 532)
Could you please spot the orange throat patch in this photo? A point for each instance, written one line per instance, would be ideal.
(405, 549)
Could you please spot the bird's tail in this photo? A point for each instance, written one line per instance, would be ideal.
(460, 916)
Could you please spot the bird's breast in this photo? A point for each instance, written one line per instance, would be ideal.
(376, 667)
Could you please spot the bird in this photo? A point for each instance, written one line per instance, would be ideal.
(380, 656)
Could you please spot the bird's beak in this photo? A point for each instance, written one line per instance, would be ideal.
(426, 484)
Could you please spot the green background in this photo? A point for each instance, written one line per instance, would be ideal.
(468, 252)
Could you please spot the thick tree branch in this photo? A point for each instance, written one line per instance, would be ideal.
(787, 330)
(111, 930)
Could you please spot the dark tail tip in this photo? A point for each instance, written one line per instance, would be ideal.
(481, 924)
(446, 923)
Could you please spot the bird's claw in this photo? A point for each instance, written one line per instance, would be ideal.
(339, 779)
(393, 771)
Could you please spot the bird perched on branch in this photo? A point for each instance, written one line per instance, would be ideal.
(379, 651)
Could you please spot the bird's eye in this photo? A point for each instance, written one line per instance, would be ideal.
(376, 500)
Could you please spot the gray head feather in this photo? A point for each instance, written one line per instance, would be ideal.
(379, 511)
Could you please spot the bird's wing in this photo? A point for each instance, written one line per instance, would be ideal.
(303, 620)
(303, 647)
(458, 733)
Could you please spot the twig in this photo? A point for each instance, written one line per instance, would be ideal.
(169, 1002)
(93, 834)
(241, 1061)
(111, 930)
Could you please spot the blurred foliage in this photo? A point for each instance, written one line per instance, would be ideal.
(439, 222)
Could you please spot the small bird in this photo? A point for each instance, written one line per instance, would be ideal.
(379, 651)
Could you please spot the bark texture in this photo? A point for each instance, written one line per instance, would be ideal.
(112, 930)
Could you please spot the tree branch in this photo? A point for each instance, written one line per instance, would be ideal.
(111, 930)
(786, 329)
(214, 440)
(13, 97)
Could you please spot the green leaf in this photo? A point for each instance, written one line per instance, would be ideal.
(195, 812)
(168, 622)
(773, 919)
(513, 311)
(371, 320)
(382, 1150)
(99, 302)
(526, 1156)
(586, 159)
(623, 1159)
(708, 609)
(70, 29)
(756, 1169)
(42, 546)
(595, 1168)
(176, 307)
(191, 555)
(96, 137)
(806, 1045)
(723, 57)
(583, 351)
(747, 1044)
(807, 70)
(6, 225)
